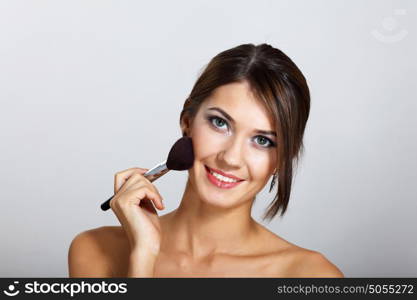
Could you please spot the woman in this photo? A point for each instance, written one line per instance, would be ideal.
(246, 115)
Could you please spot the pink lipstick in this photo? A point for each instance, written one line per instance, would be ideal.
(219, 183)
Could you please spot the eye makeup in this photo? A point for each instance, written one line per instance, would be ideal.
(211, 119)
(228, 117)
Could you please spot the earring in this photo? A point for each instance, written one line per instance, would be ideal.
(274, 178)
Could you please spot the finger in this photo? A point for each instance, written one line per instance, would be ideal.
(149, 184)
(148, 205)
(121, 177)
(154, 196)
(144, 183)
(135, 181)
(137, 195)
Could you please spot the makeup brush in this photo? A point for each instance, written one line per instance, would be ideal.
(180, 158)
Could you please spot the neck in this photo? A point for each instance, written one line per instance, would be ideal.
(199, 229)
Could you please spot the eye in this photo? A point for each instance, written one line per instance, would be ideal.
(265, 141)
(217, 121)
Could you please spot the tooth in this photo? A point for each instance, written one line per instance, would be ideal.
(222, 178)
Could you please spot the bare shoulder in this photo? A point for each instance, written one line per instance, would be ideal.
(91, 252)
(291, 260)
(310, 263)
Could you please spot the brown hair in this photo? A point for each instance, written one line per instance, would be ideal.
(280, 85)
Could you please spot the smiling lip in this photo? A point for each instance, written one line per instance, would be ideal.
(220, 184)
(224, 174)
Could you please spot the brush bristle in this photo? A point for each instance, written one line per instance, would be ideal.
(181, 155)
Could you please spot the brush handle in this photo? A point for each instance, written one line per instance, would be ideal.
(152, 175)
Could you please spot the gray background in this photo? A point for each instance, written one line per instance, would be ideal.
(82, 84)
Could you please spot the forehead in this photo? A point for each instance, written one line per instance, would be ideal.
(241, 104)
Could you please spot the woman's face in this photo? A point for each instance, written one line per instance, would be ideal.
(227, 137)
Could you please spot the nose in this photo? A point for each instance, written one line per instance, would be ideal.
(232, 154)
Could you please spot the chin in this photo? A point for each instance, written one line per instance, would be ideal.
(219, 202)
(212, 195)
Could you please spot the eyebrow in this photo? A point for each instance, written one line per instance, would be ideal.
(227, 116)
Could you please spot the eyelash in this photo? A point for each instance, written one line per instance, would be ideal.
(211, 118)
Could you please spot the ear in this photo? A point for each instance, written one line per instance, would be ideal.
(185, 125)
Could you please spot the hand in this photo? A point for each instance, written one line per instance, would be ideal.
(133, 204)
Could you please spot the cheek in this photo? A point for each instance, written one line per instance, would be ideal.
(260, 165)
(207, 142)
